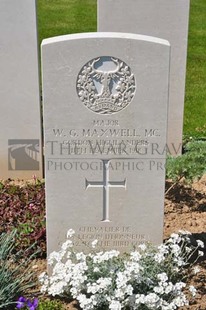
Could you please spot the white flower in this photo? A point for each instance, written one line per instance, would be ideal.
(159, 290)
(104, 282)
(104, 279)
(140, 299)
(81, 256)
(129, 290)
(176, 250)
(151, 300)
(94, 243)
(70, 233)
(96, 269)
(200, 253)
(163, 249)
(92, 288)
(104, 256)
(142, 246)
(169, 288)
(179, 285)
(83, 301)
(42, 277)
(184, 232)
(115, 305)
(44, 289)
(57, 288)
(180, 301)
(196, 269)
(200, 244)
(67, 244)
(135, 256)
(180, 262)
(159, 257)
(174, 238)
(188, 250)
(54, 257)
(119, 293)
(162, 277)
(192, 290)
(132, 268)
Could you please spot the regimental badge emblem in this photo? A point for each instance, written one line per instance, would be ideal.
(106, 85)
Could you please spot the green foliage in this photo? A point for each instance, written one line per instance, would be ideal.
(50, 305)
(15, 276)
(23, 208)
(191, 165)
(195, 104)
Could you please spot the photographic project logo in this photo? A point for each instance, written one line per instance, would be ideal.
(23, 154)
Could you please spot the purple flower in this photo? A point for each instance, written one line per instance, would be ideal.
(32, 305)
(21, 302)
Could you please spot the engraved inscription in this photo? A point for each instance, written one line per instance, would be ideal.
(112, 236)
(106, 85)
(105, 185)
(109, 138)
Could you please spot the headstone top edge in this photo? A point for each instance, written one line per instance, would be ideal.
(102, 35)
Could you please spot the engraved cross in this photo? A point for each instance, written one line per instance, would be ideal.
(105, 185)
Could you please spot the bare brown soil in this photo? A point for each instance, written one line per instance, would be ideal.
(185, 209)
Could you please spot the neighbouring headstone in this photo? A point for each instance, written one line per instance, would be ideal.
(167, 19)
(20, 135)
(105, 117)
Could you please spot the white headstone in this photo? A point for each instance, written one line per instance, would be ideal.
(20, 134)
(105, 117)
(167, 19)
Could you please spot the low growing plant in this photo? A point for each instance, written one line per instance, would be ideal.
(15, 276)
(191, 165)
(23, 208)
(50, 305)
(148, 277)
(35, 304)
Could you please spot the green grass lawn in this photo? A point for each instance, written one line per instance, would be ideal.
(59, 17)
(195, 102)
